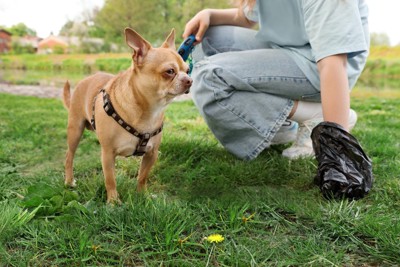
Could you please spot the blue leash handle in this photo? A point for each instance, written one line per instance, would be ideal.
(186, 47)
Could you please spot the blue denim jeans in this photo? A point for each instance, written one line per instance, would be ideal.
(244, 89)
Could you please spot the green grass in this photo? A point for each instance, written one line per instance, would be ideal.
(268, 210)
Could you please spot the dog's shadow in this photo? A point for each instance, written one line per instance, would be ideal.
(205, 169)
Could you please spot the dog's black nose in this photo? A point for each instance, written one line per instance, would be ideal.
(187, 81)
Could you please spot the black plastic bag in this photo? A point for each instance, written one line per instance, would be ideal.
(344, 170)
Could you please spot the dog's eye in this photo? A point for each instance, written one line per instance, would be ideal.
(170, 72)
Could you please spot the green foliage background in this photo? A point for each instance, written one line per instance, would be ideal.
(154, 18)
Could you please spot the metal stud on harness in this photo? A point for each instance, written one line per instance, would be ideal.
(144, 138)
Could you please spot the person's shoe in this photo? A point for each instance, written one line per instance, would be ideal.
(302, 147)
(286, 134)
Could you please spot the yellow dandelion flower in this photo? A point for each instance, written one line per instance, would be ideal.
(215, 238)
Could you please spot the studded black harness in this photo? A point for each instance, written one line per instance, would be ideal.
(144, 138)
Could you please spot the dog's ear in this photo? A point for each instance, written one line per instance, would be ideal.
(138, 44)
(170, 41)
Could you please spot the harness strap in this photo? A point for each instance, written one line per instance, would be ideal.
(93, 121)
(144, 138)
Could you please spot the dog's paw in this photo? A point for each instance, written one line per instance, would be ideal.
(71, 183)
(114, 202)
(113, 199)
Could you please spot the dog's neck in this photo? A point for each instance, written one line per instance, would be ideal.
(133, 106)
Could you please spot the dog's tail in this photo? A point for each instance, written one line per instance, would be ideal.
(67, 95)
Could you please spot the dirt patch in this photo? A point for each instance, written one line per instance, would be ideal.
(31, 90)
(49, 91)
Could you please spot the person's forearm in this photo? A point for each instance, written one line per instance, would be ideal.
(335, 95)
(231, 16)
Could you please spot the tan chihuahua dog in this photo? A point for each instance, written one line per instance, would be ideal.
(126, 110)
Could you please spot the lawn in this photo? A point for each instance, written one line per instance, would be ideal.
(268, 211)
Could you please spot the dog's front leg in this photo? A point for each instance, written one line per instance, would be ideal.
(108, 164)
(145, 166)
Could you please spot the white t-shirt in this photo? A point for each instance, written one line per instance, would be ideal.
(310, 30)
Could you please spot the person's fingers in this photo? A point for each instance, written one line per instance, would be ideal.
(197, 26)
(201, 31)
(189, 29)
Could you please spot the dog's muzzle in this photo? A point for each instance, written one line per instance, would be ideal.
(187, 83)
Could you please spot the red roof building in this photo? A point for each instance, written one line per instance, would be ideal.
(5, 41)
(52, 44)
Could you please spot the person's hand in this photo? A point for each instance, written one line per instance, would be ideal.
(198, 25)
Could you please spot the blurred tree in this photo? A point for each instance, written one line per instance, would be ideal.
(380, 39)
(84, 36)
(153, 19)
(18, 48)
(74, 28)
(67, 28)
(118, 14)
(88, 18)
(21, 30)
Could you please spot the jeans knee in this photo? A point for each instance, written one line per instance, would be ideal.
(202, 89)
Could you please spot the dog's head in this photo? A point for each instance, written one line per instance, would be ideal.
(158, 72)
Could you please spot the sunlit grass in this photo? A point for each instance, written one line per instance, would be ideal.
(364, 93)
